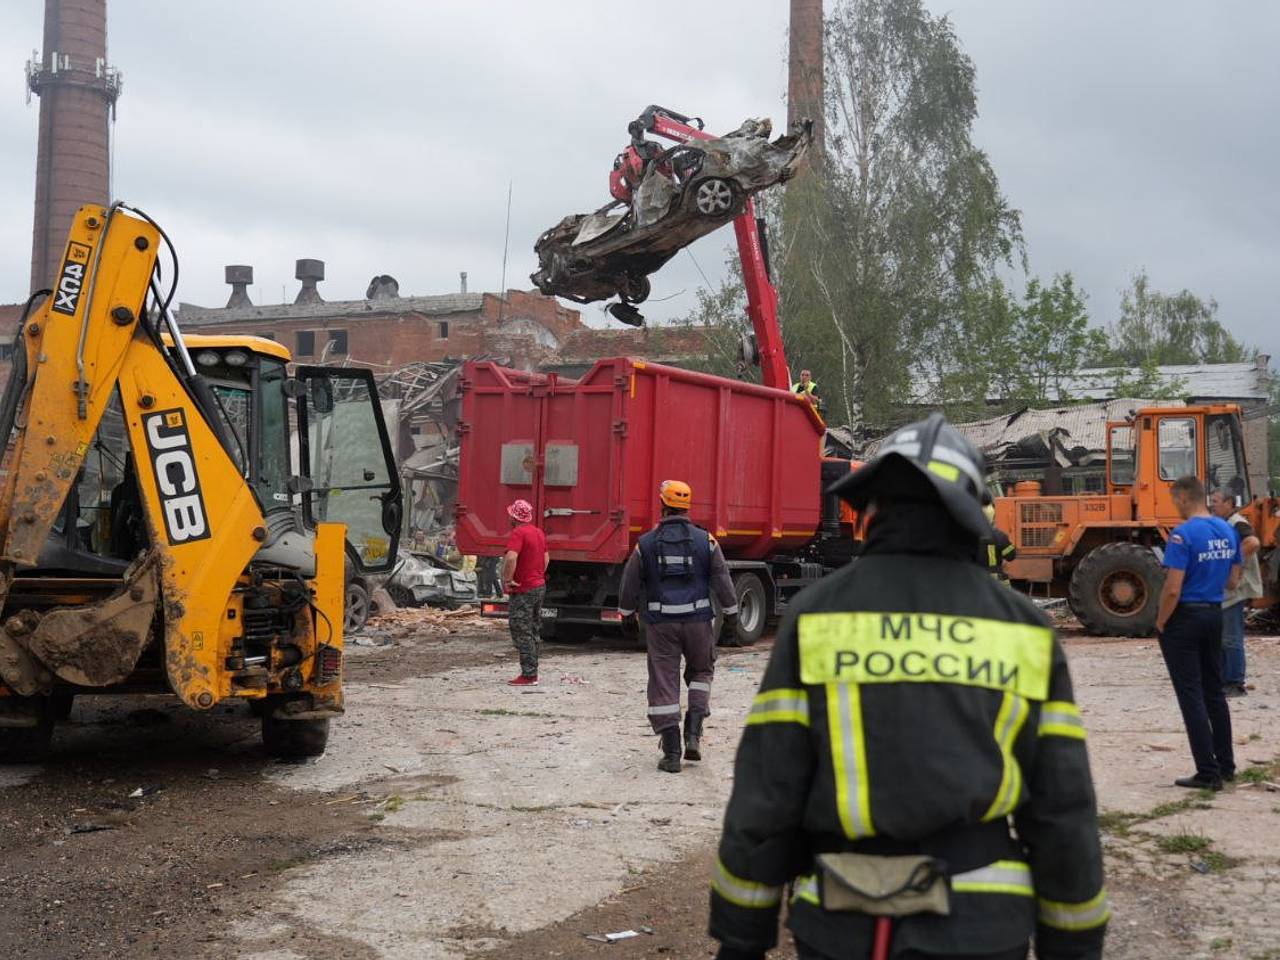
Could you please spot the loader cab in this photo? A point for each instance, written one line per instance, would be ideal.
(1160, 444)
(311, 443)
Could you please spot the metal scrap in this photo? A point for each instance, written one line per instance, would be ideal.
(688, 191)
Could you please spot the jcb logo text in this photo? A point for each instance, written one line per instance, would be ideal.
(178, 484)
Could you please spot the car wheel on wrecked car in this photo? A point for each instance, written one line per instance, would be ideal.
(355, 610)
(713, 197)
(635, 289)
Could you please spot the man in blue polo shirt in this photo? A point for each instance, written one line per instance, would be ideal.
(1203, 562)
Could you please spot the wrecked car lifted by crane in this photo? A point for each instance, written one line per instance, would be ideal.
(663, 200)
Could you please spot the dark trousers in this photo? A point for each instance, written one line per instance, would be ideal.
(1192, 647)
(1017, 953)
(488, 583)
(666, 643)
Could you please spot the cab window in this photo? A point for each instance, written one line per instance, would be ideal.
(1177, 440)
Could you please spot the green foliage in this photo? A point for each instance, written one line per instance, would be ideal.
(1160, 328)
(901, 217)
(1022, 351)
(1184, 842)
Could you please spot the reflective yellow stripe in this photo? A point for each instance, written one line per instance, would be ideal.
(945, 470)
(1061, 718)
(780, 706)
(1076, 916)
(992, 559)
(744, 893)
(806, 889)
(926, 648)
(849, 758)
(1004, 876)
(1013, 714)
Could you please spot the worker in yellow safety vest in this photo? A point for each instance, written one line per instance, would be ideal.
(806, 387)
(996, 549)
(912, 776)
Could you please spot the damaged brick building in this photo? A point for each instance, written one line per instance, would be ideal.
(384, 330)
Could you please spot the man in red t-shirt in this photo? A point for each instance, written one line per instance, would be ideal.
(524, 571)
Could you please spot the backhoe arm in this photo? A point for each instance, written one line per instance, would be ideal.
(90, 338)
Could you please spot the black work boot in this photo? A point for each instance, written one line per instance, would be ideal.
(693, 735)
(670, 762)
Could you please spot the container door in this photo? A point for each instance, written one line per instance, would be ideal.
(578, 465)
(498, 464)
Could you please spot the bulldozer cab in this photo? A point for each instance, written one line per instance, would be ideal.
(1146, 454)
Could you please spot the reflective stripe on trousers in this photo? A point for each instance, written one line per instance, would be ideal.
(849, 759)
(1013, 714)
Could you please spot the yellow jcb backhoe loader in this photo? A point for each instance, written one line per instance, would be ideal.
(176, 513)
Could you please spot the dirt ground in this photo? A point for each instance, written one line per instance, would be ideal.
(453, 817)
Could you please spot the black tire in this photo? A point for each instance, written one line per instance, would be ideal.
(753, 612)
(636, 289)
(355, 608)
(29, 744)
(1115, 590)
(402, 595)
(575, 633)
(61, 702)
(294, 739)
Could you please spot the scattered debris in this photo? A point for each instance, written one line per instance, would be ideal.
(147, 791)
(615, 937)
(89, 827)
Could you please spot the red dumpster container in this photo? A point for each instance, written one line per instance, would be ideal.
(590, 453)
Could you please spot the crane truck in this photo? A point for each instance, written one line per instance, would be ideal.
(176, 512)
(589, 453)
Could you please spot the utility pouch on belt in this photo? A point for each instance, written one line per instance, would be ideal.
(884, 886)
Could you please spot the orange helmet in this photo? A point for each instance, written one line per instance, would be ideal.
(676, 494)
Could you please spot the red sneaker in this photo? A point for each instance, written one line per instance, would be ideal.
(523, 681)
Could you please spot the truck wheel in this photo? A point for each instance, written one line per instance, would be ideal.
(355, 609)
(1115, 590)
(294, 739)
(29, 744)
(753, 612)
(60, 704)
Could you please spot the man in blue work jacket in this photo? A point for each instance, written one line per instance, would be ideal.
(1203, 562)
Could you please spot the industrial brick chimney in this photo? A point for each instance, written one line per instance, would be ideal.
(804, 66)
(78, 92)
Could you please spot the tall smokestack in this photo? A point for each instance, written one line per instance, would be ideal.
(804, 66)
(77, 91)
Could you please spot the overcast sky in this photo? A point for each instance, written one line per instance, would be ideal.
(380, 137)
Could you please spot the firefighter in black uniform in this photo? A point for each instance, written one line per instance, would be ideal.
(914, 766)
